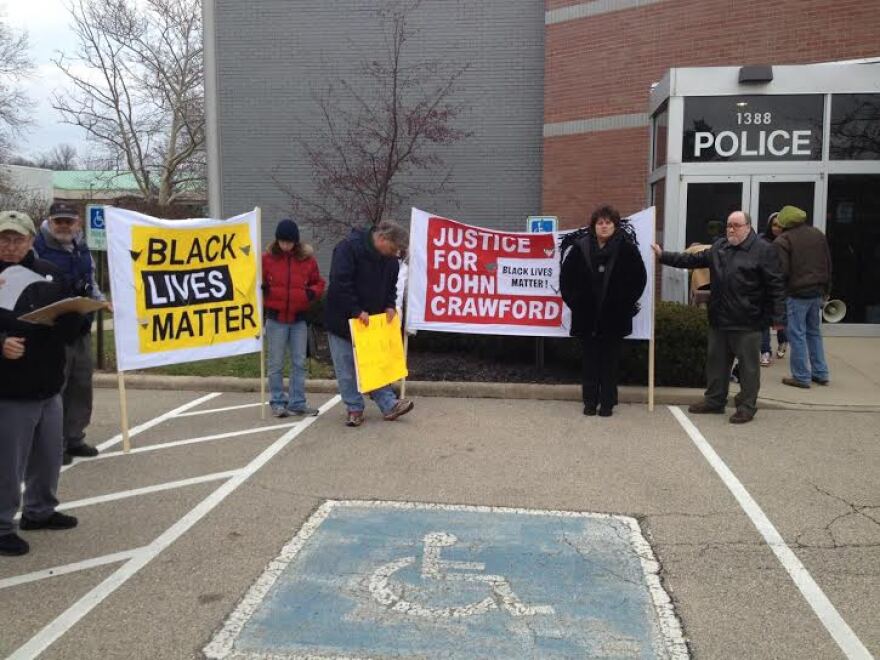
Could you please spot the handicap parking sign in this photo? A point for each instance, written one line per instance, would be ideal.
(393, 579)
(96, 232)
(541, 224)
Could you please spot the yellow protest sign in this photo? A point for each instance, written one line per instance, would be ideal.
(183, 290)
(378, 352)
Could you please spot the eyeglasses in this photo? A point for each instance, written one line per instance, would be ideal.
(735, 225)
(13, 239)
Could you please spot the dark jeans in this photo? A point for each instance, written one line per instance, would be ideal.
(76, 396)
(600, 370)
(724, 345)
(765, 339)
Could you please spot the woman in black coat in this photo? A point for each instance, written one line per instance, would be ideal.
(602, 278)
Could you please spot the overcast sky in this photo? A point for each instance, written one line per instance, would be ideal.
(46, 23)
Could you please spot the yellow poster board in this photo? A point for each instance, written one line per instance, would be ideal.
(378, 352)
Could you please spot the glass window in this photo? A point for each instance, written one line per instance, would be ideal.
(661, 136)
(743, 128)
(708, 205)
(853, 229)
(658, 200)
(855, 127)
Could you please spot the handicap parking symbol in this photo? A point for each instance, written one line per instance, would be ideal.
(96, 219)
(396, 579)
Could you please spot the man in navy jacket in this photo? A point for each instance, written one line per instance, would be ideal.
(363, 281)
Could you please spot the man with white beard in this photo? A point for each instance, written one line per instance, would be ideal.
(747, 294)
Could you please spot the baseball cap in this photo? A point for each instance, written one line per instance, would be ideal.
(63, 210)
(18, 222)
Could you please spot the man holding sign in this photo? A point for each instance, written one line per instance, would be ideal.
(363, 281)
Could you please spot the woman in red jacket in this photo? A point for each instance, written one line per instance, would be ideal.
(291, 281)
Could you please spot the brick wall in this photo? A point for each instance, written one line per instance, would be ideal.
(603, 65)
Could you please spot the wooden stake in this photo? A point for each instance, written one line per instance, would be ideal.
(259, 252)
(405, 351)
(123, 412)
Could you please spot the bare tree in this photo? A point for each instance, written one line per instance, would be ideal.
(26, 200)
(15, 65)
(142, 97)
(60, 157)
(378, 129)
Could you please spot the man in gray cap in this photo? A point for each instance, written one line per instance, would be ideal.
(60, 240)
(31, 376)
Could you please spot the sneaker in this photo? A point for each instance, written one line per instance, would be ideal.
(795, 383)
(402, 407)
(589, 409)
(12, 545)
(781, 349)
(741, 417)
(306, 411)
(83, 450)
(57, 520)
(354, 418)
(279, 411)
(765, 359)
(820, 381)
(703, 408)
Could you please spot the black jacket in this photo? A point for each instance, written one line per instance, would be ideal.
(39, 373)
(602, 305)
(746, 290)
(361, 280)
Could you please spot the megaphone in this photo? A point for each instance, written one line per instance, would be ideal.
(833, 311)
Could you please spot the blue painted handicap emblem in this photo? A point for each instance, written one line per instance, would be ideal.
(390, 579)
(96, 218)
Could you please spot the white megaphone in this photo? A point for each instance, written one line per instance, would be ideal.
(833, 311)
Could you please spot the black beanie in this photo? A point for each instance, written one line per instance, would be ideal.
(287, 231)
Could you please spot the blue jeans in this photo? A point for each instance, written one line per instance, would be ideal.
(280, 336)
(343, 363)
(807, 355)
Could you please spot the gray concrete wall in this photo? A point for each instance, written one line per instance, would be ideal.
(271, 55)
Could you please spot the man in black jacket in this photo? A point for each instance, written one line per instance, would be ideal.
(31, 377)
(363, 281)
(747, 294)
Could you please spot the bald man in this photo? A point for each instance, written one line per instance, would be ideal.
(747, 294)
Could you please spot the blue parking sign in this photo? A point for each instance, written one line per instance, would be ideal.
(96, 234)
(541, 224)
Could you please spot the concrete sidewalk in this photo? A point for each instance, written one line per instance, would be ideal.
(854, 363)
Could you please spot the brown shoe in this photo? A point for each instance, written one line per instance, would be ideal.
(355, 418)
(795, 383)
(703, 408)
(741, 417)
(402, 407)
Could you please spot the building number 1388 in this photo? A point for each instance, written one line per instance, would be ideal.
(757, 118)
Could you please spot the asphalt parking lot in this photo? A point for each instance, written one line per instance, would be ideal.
(174, 535)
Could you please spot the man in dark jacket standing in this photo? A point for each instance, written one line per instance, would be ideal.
(806, 266)
(746, 295)
(60, 240)
(363, 281)
(31, 377)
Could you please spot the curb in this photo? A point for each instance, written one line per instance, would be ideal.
(458, 389)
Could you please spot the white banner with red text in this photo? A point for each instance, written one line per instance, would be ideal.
(473, 280)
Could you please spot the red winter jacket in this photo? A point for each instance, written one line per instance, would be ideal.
(290, 282)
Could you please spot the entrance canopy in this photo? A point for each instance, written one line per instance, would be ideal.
(759, 137)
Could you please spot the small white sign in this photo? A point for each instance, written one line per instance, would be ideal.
(96, 232)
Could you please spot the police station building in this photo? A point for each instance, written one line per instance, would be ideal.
(697, 108)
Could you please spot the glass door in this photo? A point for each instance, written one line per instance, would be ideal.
(771, 192)
(707, 201)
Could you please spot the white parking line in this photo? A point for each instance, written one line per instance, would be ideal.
(192, 441)
(146, 490)
(218, 410)
(67, 619)
(846, 639)
(66, 569)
